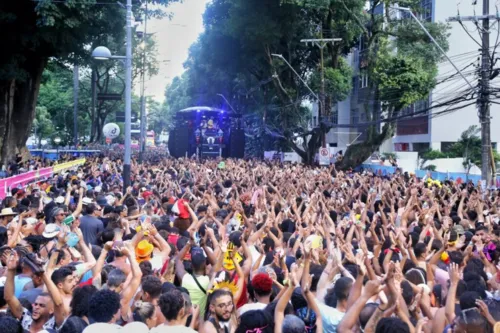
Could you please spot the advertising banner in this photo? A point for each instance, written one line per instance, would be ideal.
(68, 165)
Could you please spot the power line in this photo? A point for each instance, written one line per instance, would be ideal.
(81, 2)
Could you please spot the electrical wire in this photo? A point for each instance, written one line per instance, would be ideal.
(80, 2)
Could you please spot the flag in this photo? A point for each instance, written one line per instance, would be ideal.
(180, 210)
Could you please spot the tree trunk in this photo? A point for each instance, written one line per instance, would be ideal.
(312, 146)
(17, 108)
(358, 153)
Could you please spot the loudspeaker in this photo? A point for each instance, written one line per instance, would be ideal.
(237, 143)
(178, 142)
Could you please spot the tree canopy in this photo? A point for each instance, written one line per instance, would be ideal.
(36, 31)
(234, 56)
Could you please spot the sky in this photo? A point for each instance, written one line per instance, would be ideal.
(173, 38)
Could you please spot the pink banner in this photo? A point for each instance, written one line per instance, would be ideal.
(22, 180)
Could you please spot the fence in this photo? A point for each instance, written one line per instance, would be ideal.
(33, 176)
(384, 170)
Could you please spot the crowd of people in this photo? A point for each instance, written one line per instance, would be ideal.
(247, 246)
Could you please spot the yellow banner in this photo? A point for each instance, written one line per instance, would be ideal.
(68, 165)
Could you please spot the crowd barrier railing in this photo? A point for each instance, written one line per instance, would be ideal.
(26, 178)
(462, 177)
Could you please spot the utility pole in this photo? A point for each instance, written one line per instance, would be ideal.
(484, 91)
(142, 140)
(128, 100)
(94, 94)
(321, 43)
(484, 112)
(76, 82)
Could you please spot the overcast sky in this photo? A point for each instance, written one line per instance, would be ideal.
(174, 37)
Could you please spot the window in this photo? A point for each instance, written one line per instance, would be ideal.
(335, 116)
(417, 109)
(421, 146)
(363, 81)
(424, 12)
(354, 117)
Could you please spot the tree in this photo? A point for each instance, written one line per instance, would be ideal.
(159, 116)
(42, 124)
(401, 63)
(34, 32)
(56, 98)
(430, 155)
(234, 57)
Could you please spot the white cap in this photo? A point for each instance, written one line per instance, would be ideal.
(97, 189)
(59, 199)
(86, 201)
(31, 220)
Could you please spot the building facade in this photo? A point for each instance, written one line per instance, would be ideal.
(425, 125)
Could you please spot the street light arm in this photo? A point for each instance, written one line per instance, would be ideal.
(225, 99)
(297, 74)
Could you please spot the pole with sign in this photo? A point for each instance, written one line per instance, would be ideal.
(324, 156)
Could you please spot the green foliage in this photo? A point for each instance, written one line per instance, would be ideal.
(391, 156)
(430, 167)
(38, 31)
(432, 154)
(338, 81)
(42, 125)
(159, 116)
(467, 147)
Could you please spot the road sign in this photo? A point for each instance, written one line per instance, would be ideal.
(109, 97)
(324, 156)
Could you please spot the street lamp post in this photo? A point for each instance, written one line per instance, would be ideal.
(103, 53)
(142, 141)
(57, 141)
(43, 143)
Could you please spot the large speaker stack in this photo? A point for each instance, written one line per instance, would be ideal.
(237, 143)
(178, 143)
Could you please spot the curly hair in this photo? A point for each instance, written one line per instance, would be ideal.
(262, 284)
(104, 304)
(81, 300)
(171, 304)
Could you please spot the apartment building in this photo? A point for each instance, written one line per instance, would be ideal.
(437, 128)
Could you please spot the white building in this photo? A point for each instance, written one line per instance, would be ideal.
(436, 129)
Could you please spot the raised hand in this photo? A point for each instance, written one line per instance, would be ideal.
(454, 273)
(13, 261)
(108, 246)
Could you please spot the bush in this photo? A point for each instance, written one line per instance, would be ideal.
(432, 155)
